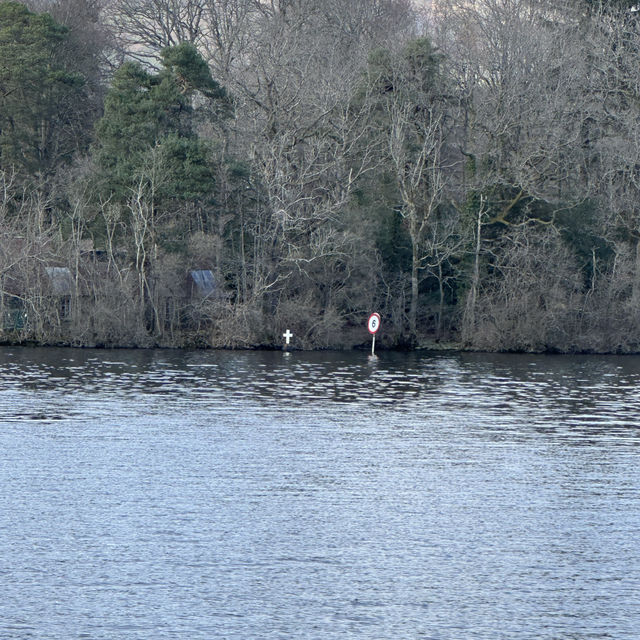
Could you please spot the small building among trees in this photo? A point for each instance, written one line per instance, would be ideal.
(202, 284)
(60, 288)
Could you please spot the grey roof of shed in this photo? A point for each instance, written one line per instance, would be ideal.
(203, 281)
(61, 280)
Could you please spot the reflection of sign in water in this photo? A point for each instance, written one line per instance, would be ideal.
(373, 324)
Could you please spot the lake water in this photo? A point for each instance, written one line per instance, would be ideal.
(249, 495)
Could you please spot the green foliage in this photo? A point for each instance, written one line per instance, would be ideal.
(379, 71)
(389, 230)
(41, 97)
(186, 163)
(148, 149)
(422, 64)
(579, 231)
(186, 66)
(140, 110)
(152, 114)
(413, 71)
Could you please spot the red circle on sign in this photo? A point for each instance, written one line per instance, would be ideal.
(373, 324)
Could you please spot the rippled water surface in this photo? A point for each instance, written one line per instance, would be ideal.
(204, 495)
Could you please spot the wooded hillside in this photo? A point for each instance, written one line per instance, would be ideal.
(213, 172)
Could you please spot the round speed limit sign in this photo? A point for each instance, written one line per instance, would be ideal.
(373, 324)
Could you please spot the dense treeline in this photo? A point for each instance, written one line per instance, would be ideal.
(212, 172)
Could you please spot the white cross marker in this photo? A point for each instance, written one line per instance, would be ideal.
(287, 335)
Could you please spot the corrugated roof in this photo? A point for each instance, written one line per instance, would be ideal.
(203, 281)
(61, 281)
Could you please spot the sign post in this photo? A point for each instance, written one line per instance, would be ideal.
(373, 324)
(287, 335)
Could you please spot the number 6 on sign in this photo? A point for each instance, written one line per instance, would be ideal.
(373, 324)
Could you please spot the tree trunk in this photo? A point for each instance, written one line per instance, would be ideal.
(413, 308)
(469, 319)
(635, 288)
(440, 301)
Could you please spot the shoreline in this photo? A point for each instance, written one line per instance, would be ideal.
(423, 347)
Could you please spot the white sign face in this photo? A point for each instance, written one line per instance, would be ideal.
(373, 324)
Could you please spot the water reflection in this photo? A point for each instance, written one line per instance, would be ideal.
(560, 396)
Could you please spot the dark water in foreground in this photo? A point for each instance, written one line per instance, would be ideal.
(200, 495)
